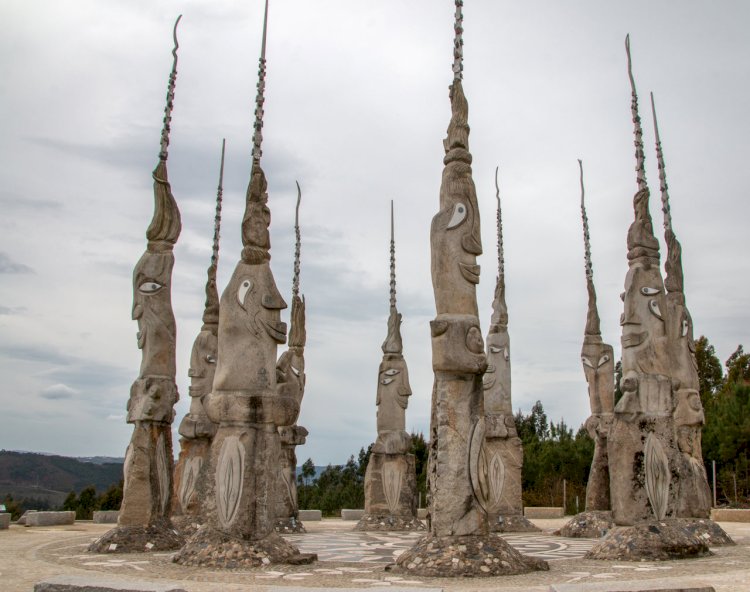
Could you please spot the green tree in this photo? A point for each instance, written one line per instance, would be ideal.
(308, 471)
(710, 375)
(112, 498)
(738, 367)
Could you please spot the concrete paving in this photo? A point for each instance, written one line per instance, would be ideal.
(30, 555)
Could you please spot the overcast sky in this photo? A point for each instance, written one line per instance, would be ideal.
(357, 107)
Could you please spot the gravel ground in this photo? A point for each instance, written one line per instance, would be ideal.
(28, 555)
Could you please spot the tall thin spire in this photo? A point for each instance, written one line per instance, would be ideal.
(458, 42)
(663, 187)
(393, 264)
(259, 97)
(211, 309)
(637, 130)
(500, 251)
(499, 316)
(217, 216)
(170, 96)
(297, 245)
(593, 324)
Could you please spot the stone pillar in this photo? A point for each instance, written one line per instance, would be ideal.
(144, 520)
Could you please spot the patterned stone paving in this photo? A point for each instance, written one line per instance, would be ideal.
(359, 547)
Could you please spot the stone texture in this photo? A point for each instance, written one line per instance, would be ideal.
(513, 524)
(652, 540)
(588, 525)
(106, 516)
(459, 542)
(50, 518)
(730, 515)
(388, 523)
(390, 493)
(148, 466)
(627, 587)
(543, 512)
(247, 400)
(4, 521)
(310, 515)
(708, 531)
(139, 539)
(289, 525)
(24, 516)
(97, 583)
(350, 514)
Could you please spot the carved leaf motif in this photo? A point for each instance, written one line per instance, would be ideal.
(189, 479)
(496, 480)
(289, 491)
(477, 464)
(229, 478)
(392, 476)
(163, 473)
(657, 476)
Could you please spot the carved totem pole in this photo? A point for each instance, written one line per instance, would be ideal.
(597, 358)
(196, 428)
(241, 483)
(391, 478)
(459, 542)
(501, 457)
(143, 523)
(642, 447)
(290, 379)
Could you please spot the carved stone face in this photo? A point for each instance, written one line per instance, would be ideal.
(290, 375)
(203, 363)
(393, 393)
(496, 382)
(457, 344)
(250, 330)
(599, 368)
(152, 308)
(644, 347)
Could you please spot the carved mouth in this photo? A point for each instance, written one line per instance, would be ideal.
(141, 339)
(276, 330)
(633, 339)
(470, 272)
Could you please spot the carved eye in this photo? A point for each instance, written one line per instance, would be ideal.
(603, 360)
(654, 307)
(586, 361)
(391, 372)
(386, 381)
(650, 291)
(685, 327)
(242, 291)
(495, 350)
(210, 359)
(296, 372)
(459, 215)
(149, 287)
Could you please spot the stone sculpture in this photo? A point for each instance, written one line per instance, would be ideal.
(459, 542)
(642, 446)
(144, 523)
(241, 481)
(597, 358)
(290, 379)
(501, 456)
(391, 479)
(196, 428)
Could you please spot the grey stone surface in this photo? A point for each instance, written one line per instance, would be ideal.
(352, 514)
(591, 524)
(22, 519)
(98, 583)
(543, 512)
(148, 466)
(422, 513)
(106, 516)
(628, 587)
(310, 515)
(4, 520)
(50, 518)
(730, 515)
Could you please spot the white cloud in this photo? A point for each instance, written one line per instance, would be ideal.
(58, 391)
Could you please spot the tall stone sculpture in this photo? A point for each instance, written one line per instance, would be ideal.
(196, 428)
(642, 447)
(240, 484)
(694, 494)
(597, 358)
(501, 456)
(290, 378)
(459, 542)
(144, 523)
(391, 478)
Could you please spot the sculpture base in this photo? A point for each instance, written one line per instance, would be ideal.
(187, 526)
(593, 524)
(653, 540)
(386, 522)
(514, 523)
(708, 531)
(211, 548)
(289, 525)
(466, 556)
(138, 539)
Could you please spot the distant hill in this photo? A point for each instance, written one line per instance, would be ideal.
(51, 477)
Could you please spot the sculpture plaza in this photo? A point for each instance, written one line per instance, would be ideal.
(226, 515)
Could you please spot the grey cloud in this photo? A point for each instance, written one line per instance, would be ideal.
(34, 353)
(11, 310)
(58, 391)
(7, 265)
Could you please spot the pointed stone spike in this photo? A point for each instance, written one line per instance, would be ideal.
(500, 251)
(393, 263)
(170, 96)
(637, 130)
(663, 187)
(260, 96)
(297, 244)
(211, 309)
(458, 42)
(592, 317)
